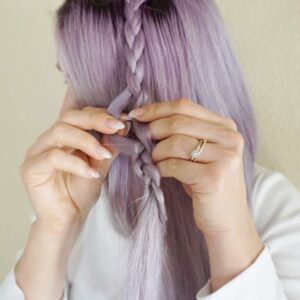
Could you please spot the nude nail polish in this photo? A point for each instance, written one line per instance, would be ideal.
(115, 124)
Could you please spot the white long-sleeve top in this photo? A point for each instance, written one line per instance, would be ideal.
(96, 266)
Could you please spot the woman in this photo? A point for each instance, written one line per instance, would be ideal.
(146, 186)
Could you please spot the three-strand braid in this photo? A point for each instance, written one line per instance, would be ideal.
(148, 256)
(134, 47)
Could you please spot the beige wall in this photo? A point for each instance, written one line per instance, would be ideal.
(265, 34)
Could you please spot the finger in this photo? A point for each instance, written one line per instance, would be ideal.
(183, 170)
(102, 166)
(92, 118)
(123, 116)
(190, 126)
(125, 131)
(56, 159)
(70, 102)
(181, 146)
(64, 135)
(183, 106)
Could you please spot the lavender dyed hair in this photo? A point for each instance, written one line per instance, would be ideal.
(125, 54)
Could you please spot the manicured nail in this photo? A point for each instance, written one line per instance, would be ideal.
(115, 124)
(128, 127)
(93, 173)
(125, 118)
(126, 130)
(138, 112)
(103, 152)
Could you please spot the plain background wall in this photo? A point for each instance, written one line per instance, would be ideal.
(265, 35)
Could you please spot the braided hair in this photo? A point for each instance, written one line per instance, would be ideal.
(148, 254)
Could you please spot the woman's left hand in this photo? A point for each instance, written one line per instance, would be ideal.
(216, 182)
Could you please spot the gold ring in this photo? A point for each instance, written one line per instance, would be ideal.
(197, 152)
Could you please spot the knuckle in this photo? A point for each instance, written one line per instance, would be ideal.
(58, 128)
(228, 122)
(239, 142)
(230, 136)
(176, 140)
(25, 171)
(234, 137)
(177, 122)
(154, 109)
(58, 133)
(183, 103)
(172, 164)
(96, 118)
(231, 159)
(30, 152)
(53, 155)
(88, 108)
(65, 115)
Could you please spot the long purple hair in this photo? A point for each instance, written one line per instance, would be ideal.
(125, 54)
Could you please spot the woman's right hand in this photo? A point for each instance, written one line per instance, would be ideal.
(59, 168)
(56, 174)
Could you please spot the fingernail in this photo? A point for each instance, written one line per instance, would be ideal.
(125, 118)
(125, 131)
(138, 112)
(128, 125)
(103, 152)
(115, 124)
(93, 173)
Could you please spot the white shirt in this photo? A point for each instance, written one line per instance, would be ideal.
(96, 268)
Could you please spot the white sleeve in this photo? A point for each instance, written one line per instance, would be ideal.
(10, 290)
(275, 274)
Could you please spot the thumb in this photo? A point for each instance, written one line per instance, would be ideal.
(103, 166)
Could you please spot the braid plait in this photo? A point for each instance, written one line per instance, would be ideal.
(134, 47)
(144, 168)
(148, 270)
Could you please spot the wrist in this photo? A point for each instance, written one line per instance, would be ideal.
(240, 227)
(57, 229)
(59, 238)
(40, 272)
(231, 252)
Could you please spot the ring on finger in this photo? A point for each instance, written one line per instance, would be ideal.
(195, 154)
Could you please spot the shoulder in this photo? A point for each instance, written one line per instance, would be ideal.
(276, 212)
(264, 175)
(273, 190)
